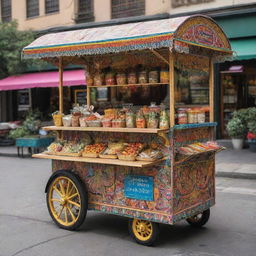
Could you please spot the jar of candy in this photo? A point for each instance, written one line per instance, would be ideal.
(201, 115)
(152, 120)
(98, 79)
(182, 116)
(140, 120)
(143, 77)
(164, 76)
(153, 76)
(130, 119)
(89, 80)
(110, 78)
(121, 78)
(192, 116)
(164, 119)
(132, 78)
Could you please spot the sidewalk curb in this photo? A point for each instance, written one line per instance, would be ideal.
(236, 175)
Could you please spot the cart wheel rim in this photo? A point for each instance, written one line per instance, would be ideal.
(196, 218)
(142, 229)
(64, 201)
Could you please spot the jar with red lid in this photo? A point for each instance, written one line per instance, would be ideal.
(132, 78)
(110, 78)
(182, 116)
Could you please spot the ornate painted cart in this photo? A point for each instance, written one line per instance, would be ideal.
(164, 191)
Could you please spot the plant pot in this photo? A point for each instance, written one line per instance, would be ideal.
(237, 143)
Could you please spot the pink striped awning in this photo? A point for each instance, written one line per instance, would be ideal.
(42, 79)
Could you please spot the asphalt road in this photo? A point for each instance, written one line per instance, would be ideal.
(26, 228)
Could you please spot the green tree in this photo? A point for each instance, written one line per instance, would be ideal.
(12, 42)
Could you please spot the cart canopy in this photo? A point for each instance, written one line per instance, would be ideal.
(177, 33)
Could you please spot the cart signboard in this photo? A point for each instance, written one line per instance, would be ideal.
(139, 187)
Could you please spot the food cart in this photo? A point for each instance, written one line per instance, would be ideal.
(180, 185)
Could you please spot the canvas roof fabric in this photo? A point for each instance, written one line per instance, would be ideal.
(194, 30)
(42, 79)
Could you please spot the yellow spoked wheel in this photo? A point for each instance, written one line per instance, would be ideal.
(143, 231)
(66, 200)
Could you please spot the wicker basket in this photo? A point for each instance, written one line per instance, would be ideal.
(91, 155)
(108, 156)
(126, 157)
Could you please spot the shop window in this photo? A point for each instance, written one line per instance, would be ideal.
(127, 8)
(51, 6)
(85, 11)
(6, 10)
(32, 8)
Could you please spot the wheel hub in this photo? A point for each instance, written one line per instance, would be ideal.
(63, 201)
(142, 227)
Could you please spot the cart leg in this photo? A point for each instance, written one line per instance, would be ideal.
(143, 231)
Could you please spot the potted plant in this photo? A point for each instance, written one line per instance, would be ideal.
(236, 130)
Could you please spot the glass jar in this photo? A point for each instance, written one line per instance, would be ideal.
(121, 78)
(182, 116)
(89, 80)
(130, 119)
(164, 119)
(192, 116)
(143, 77)
(153, 76)
(152, 120)
(201, 116)
(110, 78)
(98, 79)
(132, 78)
(164, 76)
(140, 120)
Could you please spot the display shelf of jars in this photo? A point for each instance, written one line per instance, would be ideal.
(126, 85)
(139, 164)
(105, 129)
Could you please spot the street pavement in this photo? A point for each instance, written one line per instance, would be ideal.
(26, 228)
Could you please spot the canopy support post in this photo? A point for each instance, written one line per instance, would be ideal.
(60, 85)
(172, 89)
(159, 56)
(211, 89)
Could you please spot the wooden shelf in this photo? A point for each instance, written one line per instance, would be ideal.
(126, 85)
(104, 129)
(99, 160)
(191, 106)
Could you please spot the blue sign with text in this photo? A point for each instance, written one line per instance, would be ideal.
(139, 187)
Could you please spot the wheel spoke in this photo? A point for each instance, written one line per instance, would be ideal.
(55, 200)
(71, 213)
(67, 190)
(61, 210)
(62, 188)
(57, 190)
(74, 203)
(66, 215)
(71, 190)
(72, 196)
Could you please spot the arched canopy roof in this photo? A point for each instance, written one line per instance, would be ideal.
(177, 33)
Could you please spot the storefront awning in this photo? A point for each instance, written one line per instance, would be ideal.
(42, 79)
(244, 49)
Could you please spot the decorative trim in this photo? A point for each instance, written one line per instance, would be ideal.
(188, 126)
(101, 47)
(132, 213)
